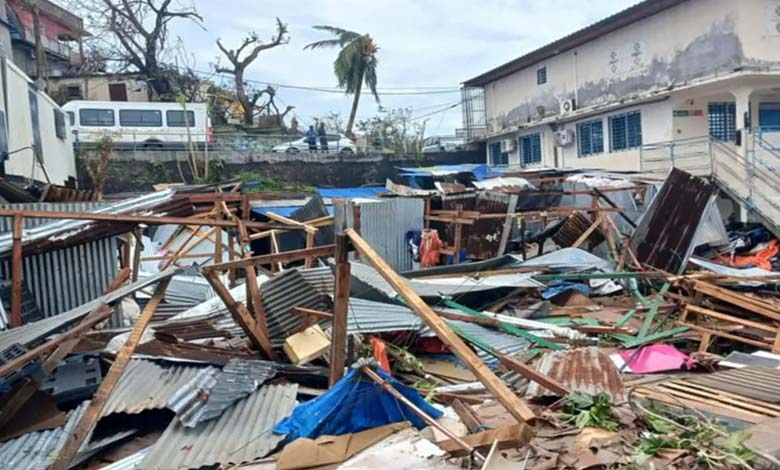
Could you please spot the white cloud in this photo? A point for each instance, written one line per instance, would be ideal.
(423, 43)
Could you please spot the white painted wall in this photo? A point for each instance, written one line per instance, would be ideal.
(58, 154)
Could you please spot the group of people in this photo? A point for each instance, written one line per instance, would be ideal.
(312, 135)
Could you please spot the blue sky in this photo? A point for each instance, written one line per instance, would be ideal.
(430, 43)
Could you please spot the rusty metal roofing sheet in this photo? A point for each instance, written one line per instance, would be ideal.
(131, 462)
(481, 239)
(585, 370)
(243, 433)
(572, 229)
(32, 332)
(147, 385)
(664, 237)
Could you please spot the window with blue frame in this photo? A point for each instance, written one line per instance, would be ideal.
(541, 76)
(497, 157)
(590, 138)
(722, 119)
(625, 131)
(769, 117)
(531, 149)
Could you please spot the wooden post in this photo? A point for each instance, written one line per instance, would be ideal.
(137, 253)
(79, 433)
(309, 245)
(241, 315)
(458, 235)
(338, 342)
(126, 251)
(231, 257)
(16, 273)
(522, 238)
(514, 405)
(218, 245)
(253, 289)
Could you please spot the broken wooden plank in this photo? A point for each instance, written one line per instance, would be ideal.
(535, 376)
(16, 273)
(338, 352)
(241, 315)
(514, 405)
(82, 429)
(468, 416)
(283, 257)
(312, 313)
(515, 435)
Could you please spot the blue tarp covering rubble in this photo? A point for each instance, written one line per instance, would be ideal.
(366, 192)
(355, 403)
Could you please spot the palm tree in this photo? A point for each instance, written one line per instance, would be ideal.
(355, 64)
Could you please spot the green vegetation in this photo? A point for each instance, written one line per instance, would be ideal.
(588, 411)
(266, 184)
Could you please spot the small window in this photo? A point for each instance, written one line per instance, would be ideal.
(625, 131)
(531, 149)
(72, 118)
(32, 95)
(59, 124)
(73, 92)
(497, 157)
(176, 118)
(590, 138)
(722, 120)
(140, 118)
(96, 117)
(541, 76)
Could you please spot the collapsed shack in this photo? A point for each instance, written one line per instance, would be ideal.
(551, 320)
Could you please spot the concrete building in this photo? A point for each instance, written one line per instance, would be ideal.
(100, 87)
(659, 74)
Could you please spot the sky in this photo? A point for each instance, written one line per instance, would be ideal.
(425, 46)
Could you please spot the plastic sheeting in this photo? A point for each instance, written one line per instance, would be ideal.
(355, 403)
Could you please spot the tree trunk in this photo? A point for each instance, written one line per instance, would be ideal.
(353, 112)
(246, 103)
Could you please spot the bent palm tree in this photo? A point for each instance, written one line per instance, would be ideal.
(355, 64)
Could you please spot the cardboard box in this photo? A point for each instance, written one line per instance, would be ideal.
(309, 344)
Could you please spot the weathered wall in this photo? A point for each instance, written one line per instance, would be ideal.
(696, 39)
(137, 171)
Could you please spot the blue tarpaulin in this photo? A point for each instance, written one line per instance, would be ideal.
(480, 171)
(355, 403)
(557, 288)
(366, 192)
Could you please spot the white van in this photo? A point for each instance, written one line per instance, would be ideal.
(141, 124)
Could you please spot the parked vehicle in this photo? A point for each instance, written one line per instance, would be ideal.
(442, 144)
(337, 143)
(142, 124)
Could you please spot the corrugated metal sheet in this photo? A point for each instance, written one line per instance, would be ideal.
(366, 316)
(243, 433)
(366, 277)
(147, 385)
(73, 227)
(38, 450)
(585, 370)
(7, 223)
(383, 225)
(131, 462)
(30, 333)
(663, 239)
(501, 342)
(280, 294)
(321, 279)
(205, 399)
(481, 239)
(64, 279)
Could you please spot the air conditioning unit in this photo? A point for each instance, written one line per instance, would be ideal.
(568, 106)
(564, 137)
(507, 145)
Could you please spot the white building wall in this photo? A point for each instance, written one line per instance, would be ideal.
(58, 154)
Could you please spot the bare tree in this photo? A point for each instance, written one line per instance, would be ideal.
(137, 34)
(251, 46)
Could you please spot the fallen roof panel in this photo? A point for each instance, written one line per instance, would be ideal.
(585, 370)
(243, 433)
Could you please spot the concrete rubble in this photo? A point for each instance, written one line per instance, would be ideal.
(544, 319)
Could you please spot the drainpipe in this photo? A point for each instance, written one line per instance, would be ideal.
(576, 83)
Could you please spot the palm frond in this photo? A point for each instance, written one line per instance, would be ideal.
(336, 31)
(324, 43)
(370, 77)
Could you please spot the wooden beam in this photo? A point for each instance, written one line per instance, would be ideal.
(515, 435)
(82, 429)
(241, 315)
(312, 313)
(742, 301)
(514, 405)
(309, 245)
(588, 232)
(137, 219)
(138, 235)
(291, 222)
(253, 292)
(416, 410)
(467, 415)
(16, 273)
(338, 343)
(534, 376)
(284, 257)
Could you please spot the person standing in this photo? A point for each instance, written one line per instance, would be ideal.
(323, 137)
(311, 139)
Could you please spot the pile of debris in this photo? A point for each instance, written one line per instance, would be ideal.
(541, 321)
